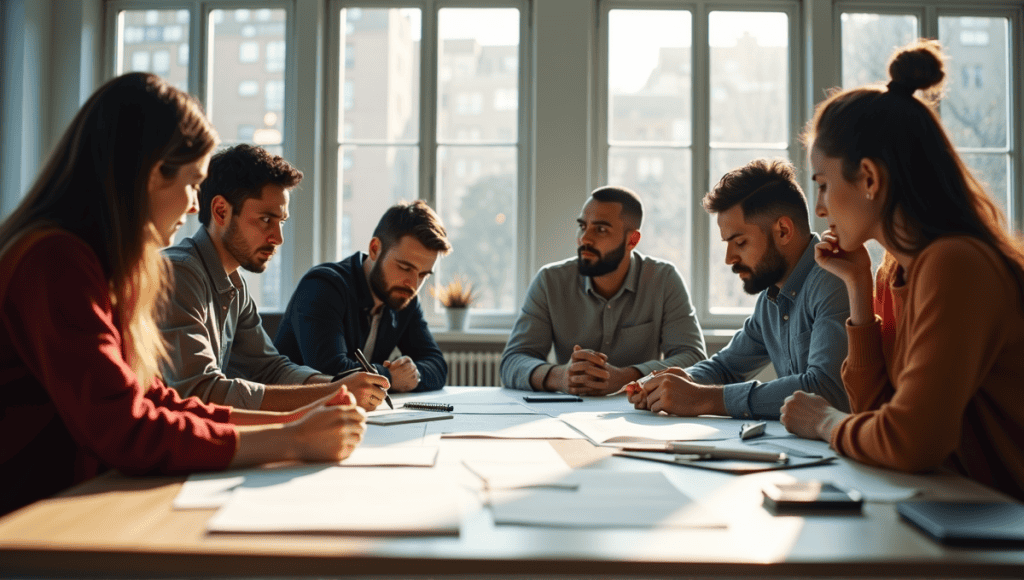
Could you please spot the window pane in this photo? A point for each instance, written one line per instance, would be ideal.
(370, 180)
(477, 202)
(725, 289)
(649, 76)
(661, 177)
(993, 171)
(869, 41)
(478, 75)
(749, 77)
(146, 39)
(240, 106)
(975, 108)
(380, 74)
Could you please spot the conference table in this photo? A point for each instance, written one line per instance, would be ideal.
(118, 526)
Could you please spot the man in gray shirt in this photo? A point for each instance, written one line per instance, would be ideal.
(799, 319)
(611, 313)
(218, 348)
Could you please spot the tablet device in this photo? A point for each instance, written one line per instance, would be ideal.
(960, 523)
(810, 497)
(406, 417)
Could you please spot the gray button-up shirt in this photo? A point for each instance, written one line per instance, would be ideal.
(800, 329)
(219, 350)
(650, 316)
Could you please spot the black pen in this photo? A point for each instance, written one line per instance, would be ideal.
(366, 367)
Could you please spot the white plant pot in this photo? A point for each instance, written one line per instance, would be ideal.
(458, 318)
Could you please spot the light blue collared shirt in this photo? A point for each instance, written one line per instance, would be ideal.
(801, 329)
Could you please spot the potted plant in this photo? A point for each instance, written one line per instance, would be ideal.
(455, 296)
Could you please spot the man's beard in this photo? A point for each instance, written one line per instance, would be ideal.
(396, 298)
(768, 270)
(235, 244)
(604, 264)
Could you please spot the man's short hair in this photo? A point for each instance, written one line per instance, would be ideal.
(766, 189)
(240, 173)
(412, 219)
(632, 207)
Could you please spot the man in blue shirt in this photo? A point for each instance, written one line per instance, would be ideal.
(799, 320)
(369, 302)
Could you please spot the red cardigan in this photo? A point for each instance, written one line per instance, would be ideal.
(69, 403)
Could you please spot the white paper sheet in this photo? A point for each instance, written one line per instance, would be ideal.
(211, 490)
(503, 427)
(637, 426)
(602, 500)
(330, 503)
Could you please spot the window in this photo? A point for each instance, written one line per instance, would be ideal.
(975, 110)
(146, 39)
(162, 62)
(666, 118)
(248, 52)
(275, 56)
(140, 60)
(248, 88)
(274, 93)
(468, 170)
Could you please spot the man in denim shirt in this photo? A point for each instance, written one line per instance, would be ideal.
(799, 320)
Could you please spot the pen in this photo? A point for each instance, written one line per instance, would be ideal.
(366, 367)
(706, 452)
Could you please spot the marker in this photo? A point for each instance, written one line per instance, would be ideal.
(366, 367)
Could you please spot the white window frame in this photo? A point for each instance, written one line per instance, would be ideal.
(928, 14)
(700, 144)
(428, 142)
(299, 253)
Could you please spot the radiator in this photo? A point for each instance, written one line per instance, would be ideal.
(478, 369)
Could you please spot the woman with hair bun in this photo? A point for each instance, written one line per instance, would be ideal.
(938, 380)
(82, 282)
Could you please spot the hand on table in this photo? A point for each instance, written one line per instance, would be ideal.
(810, 416)
(405, 376)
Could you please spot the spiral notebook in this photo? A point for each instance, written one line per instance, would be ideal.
(400, 416)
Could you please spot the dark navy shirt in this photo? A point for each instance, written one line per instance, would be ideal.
(329, 316)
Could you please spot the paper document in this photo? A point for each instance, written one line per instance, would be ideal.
(504, 427)
(599, 501)
(432, 510)
(211, 490)
(636, 426)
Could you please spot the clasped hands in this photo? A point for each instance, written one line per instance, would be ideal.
(589, 373)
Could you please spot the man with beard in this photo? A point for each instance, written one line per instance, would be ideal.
(611, 313)
(219, 351)
(369, 302)
(799, 319)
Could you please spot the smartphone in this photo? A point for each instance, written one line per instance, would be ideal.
(811, 496)
(552, 398)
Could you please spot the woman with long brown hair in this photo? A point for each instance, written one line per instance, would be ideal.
(81, 285)
(938, 381)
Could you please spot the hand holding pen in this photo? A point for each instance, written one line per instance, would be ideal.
(366, 367)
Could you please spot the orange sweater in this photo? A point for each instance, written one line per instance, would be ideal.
(950, 388)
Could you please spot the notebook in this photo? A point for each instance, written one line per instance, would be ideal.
(988, 524)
